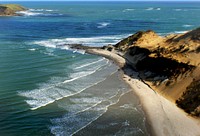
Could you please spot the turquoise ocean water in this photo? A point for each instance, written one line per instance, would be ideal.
(48, 89)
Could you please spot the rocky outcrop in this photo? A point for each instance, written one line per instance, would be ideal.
(10, 9)
(167, 64)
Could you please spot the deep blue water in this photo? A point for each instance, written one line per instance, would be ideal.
(45, 86)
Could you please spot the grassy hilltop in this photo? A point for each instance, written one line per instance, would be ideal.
(10, 9)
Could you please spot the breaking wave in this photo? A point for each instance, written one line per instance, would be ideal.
(103, 24)
(39, 12)
(91, 41)
(187, 25)
(29, 13)
(82, 119)
(59, 88)
(153, 8)
(47, 10)
(129, 9)
(181, 9)
(149, 8)
(180, 32)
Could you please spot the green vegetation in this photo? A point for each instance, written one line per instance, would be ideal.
(10, 9)
(14, 7)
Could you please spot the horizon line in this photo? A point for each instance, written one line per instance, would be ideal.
(102, 0)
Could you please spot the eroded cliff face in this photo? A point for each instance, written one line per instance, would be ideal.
(170, 65)
(10, 9)
(190, 99)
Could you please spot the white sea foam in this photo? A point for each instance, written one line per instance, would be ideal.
(78, 75)
(178, 9)
(87, 100)
(49, 10)
(36, 9)
(127, 106)
(103, 24)
(129, 9)
(108, 11)
(81, 104)
(150, 8)
(63, 126)
(102, 110)
(94, 105)
(77, 51)
(46, 43)
(44, 97)
(125, 130)
(88, 64)
(33, 49)
(180, 32)
(158, 9)
(28, 13)
(40, 10)
(90, 41)
(187, 25)
(50, 92)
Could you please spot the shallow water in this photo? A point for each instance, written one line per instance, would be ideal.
(45, 86)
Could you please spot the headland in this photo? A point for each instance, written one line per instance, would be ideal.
(164, 73)
(10, 9)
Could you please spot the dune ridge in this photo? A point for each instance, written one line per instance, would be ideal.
(168, 64)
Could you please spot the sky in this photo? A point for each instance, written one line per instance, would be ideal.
(97, 0)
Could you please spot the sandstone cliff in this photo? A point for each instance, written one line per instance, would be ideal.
(170, 65)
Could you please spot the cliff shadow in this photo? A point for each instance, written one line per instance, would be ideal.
(155, 68)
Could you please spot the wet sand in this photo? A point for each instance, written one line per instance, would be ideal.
(125, 117)
(164, 118)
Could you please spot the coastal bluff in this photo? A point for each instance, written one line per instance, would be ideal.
(10, 9)
(164, 73)
(170, 65)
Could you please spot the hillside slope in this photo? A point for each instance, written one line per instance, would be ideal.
(170, 64)
(10, 9)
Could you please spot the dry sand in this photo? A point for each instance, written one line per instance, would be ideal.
(164, 118)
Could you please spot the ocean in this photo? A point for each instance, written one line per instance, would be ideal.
(48, 89)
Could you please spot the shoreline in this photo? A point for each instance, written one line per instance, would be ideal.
(163, 117)
(116, 119)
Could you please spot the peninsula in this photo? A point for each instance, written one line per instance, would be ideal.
(164, 72)
(10, 9)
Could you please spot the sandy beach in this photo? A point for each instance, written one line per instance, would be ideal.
(164, 118)
(123, 116)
